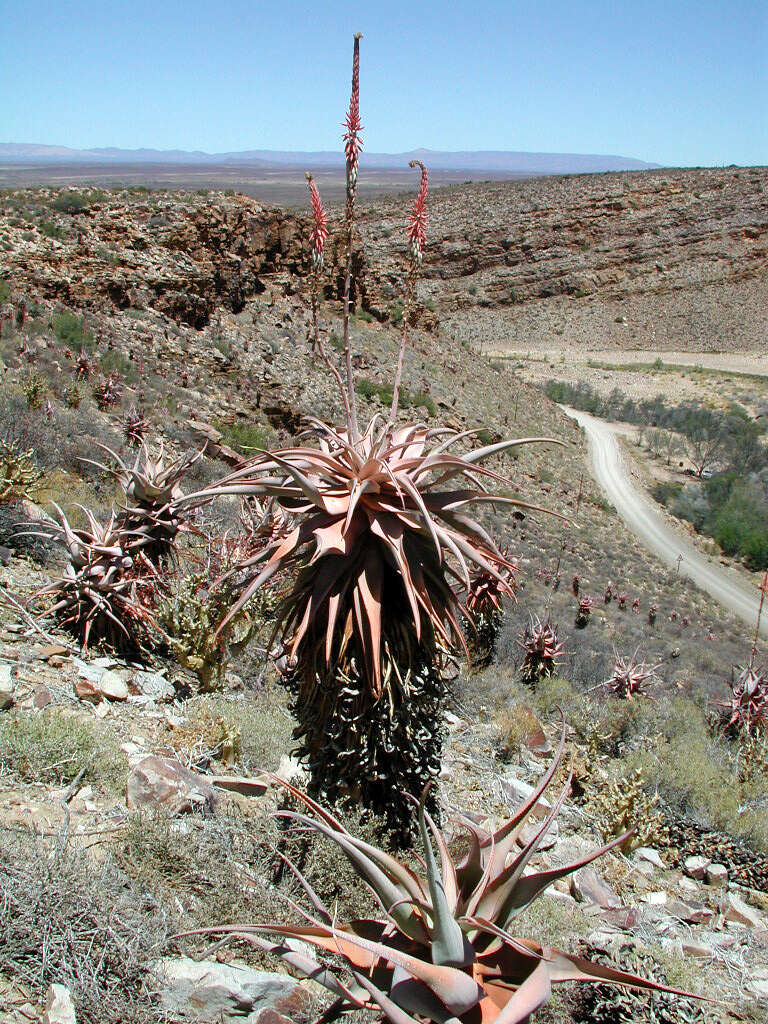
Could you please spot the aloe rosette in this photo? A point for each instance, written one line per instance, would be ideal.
(380, 541)
(443, 949)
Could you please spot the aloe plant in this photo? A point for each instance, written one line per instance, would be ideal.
(485, 609)
(380, 540)
(630, 677)
(444, 947)
(745, 713)
(152, 512)
(543, 651)
(107, 591)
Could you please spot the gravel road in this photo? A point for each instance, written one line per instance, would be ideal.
(645, 521)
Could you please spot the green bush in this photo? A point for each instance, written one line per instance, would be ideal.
(245, 437)
(71, 331)
(70, 202)
(52, 748)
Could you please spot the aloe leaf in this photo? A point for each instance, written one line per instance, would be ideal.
(449, 945)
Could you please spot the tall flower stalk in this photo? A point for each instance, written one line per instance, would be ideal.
(417, 238)
(317, 239)
(352, 146)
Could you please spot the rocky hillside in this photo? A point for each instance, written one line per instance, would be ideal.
(672, 260)
(194, 307)
(662, 259)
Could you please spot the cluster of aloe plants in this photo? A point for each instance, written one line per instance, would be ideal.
(378, 545)
(443, 946)
(109, 587)
(542, 649)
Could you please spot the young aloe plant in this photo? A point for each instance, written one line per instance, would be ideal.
(443, 948)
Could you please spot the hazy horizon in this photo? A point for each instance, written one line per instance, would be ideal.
(676, 85)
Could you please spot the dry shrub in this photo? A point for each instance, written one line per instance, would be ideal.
(256, 728)
(66, 918)
(52, 748)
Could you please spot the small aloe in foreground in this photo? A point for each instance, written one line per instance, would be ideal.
(442, 949)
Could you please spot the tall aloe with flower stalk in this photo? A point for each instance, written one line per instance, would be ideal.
(378, 542)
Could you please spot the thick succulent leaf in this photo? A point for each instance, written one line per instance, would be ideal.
(500, 446)
(448, 945)
(530, 886)
(416, 997)
(391, 1010)
(504, 838)
(458, 991)
(389, 893)
(533, 993)
(564, 967)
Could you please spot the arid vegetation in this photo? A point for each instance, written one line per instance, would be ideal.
(316, 639)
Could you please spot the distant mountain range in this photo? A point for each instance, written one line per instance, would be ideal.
(497, 161)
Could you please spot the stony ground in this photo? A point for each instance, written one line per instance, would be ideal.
(196, 304)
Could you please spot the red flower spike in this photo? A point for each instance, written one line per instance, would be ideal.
(319, 233)
(352, 141)
(417, 222)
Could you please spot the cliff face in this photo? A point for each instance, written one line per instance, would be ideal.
(667, 259)
(181, 254)
(658, 259)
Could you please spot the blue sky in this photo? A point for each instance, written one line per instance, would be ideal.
(669, 81)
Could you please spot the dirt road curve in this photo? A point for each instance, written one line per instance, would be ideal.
(644, 520)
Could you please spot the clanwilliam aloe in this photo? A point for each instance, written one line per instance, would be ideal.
(746, 712)
(152, 495)
(543, 651)
(443, 948)
(485, 608)
(630, 677)
(379, 538)
(108, 588)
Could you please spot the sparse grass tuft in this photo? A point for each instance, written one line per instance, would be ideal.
(52, 748)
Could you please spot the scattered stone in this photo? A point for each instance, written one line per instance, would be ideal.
(717, 876)
(151, 684)
(5, 555)
(692, 913)
(213, 992)
(695, 867)
(655, 899)
(736, 911)
(157, 782)
(6, 688)
(587, 885)
(41, 698)
(697, 949)
(518, 792)
(624, 918)
(59, 1008)
(109, 686)
(650, 856)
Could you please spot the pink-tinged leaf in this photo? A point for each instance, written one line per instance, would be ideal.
(390, 1009)
(493, 449)
(454, 988)
(535, 991)
(564, 967)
